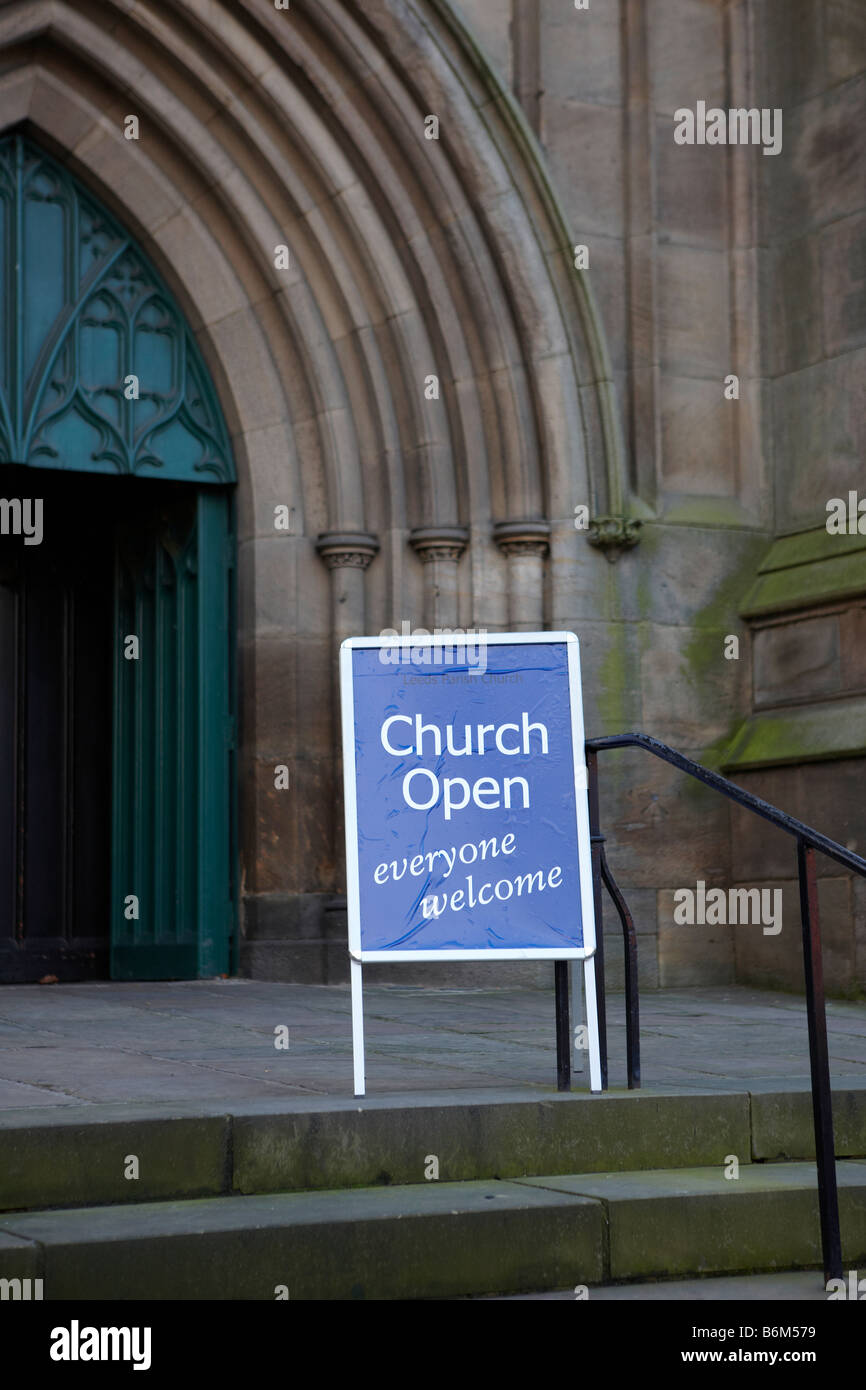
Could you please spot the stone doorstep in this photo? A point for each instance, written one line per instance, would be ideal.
(697, 1221)
(438, 1240)
(72, 1158)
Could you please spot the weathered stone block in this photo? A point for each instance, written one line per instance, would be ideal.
(790, 51)
(579, 55)
(826, 796)
(291, 684)
(432, 1241)
(19, 1259)
(697, 442)
(859, 909)
(689, 685)
(686, 55)
(696, 1221)
(70, 1161)
(647, 961)
(819, 176)
(776, 961)
(845, 37)
(843, 285)
(783, 1126)
(301, 962)
(295, 835)
(693, 575)
(661, 825)
(693, 308)
(852, 645)
(341, 1147)
(692, 955)
(691, 191)
(796, 660)
(585, 150)
(796, 300)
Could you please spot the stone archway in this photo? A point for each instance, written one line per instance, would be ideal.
(116, 760)
(408, 259)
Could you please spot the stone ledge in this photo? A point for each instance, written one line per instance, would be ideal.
(697, 1221)
(630, 1130)
(78, 1162)
(437, 1240)
(807, 569)
(811, 733)
(783, 1127)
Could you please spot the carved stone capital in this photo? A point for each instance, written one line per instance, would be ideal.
(439, 542)
(347, 549)
(613, 534)
(522, 537)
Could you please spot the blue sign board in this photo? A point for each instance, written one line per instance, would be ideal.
(466, 806)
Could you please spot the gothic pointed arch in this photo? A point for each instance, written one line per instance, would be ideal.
(99, 371)
(409, 258)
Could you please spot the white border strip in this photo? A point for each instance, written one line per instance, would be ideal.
(353, 889)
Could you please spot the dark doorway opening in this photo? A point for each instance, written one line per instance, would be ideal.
(57, 640)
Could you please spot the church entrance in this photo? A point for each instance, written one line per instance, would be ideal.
(117, 733)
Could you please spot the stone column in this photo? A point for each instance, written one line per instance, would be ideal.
(524, 544)
(347, 555)
(439, 548)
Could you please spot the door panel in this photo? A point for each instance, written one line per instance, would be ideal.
(115, 775)
(55, 759)
(172, 894)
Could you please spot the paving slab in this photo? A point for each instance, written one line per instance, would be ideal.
(85, 1044)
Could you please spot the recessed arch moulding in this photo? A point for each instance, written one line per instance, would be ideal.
(417, 394)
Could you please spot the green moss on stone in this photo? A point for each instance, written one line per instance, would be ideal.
(816, 733)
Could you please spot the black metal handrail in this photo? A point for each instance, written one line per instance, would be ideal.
(734, 793)
(808, 841)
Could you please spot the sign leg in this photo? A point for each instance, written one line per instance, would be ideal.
(592, 1023)
(358, 1026)
(578, 1013)
(563, 1026)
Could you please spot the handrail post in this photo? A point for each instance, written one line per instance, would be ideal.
(632, 1000)
(819, 1059)
(596, 841)
(563, 1026)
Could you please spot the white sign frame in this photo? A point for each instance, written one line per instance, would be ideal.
(357, 955)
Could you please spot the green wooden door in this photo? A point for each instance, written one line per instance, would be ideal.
(100, 374)
(172, 911)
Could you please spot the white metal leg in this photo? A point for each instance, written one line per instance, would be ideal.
(358, 1025)
(578, 1014)
(592, 1023)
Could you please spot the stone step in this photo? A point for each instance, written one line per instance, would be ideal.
(437, 1239)
(80, 1156)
